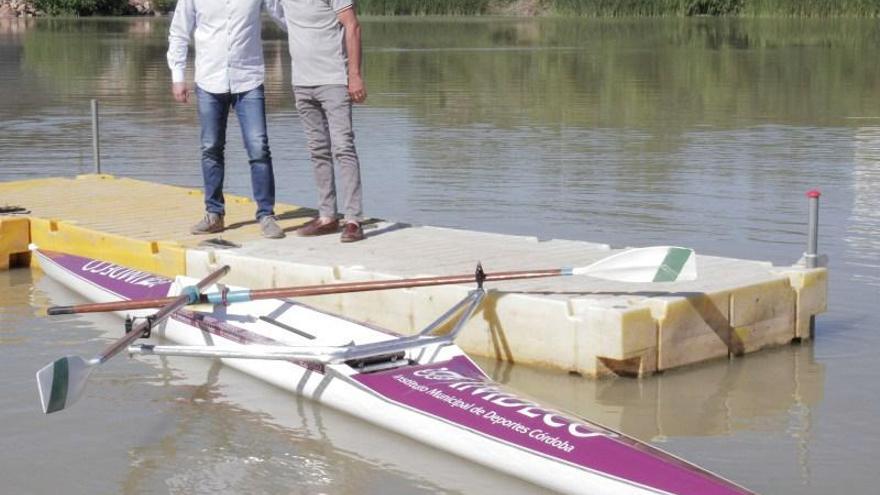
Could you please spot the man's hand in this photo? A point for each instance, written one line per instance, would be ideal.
(180, 92)
(356, 88)
(348, 19)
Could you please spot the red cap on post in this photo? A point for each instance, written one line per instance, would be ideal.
(813, 193)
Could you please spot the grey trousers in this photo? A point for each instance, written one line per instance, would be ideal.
(325, 112)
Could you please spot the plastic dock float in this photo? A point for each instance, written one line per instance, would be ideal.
(580, 324)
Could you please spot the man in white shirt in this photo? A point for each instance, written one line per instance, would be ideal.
(325, 51)
(229, 73)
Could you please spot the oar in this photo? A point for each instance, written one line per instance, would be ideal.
(61, 382)
(651, 264)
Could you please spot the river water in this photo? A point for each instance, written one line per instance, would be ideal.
(697, 132)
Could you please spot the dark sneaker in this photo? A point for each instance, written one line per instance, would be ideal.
(315, 227)
(269, 228)
(211, 224)
(352, 232)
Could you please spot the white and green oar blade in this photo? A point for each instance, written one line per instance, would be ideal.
(61, 382)
(651, 264)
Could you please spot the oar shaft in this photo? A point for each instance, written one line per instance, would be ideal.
(309, 290)
(641, 265)
(170, 307)
(320, 290)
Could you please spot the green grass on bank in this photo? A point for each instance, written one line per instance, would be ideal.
(95, 7)
(620, 8)
(593, 8)
(812, 8)
(427, 7)
(605, 8)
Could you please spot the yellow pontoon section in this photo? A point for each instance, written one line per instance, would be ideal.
(578, 324)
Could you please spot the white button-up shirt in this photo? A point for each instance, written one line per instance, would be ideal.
(228, 39)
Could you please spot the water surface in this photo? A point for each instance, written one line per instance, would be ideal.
(697, 132)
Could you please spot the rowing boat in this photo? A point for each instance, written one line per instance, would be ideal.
(422, 386)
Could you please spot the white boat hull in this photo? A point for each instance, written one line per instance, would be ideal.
(435, 394)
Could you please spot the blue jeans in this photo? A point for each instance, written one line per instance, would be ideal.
(250, 107)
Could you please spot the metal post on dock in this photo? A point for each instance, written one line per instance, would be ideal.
(96, 146)
(811, 256)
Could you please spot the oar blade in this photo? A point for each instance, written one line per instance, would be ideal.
(62, 382)
(651, 264)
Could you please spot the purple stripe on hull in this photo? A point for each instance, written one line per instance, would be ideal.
(126, 282)
(459, 392)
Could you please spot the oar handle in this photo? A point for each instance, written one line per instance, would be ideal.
(176, 303)
(110, 306)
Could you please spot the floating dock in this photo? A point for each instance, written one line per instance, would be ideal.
(579, 324)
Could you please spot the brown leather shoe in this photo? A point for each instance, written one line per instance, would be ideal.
(352, 232)
(315, 227)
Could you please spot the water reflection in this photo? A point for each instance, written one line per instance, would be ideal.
(865, 217)
(218, 447)
(226, 431)
(700, 132)
(15, 308)
(13, 27)
(526, 71)
(769, 391)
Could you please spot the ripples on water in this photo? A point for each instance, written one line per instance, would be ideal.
(699, 132)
